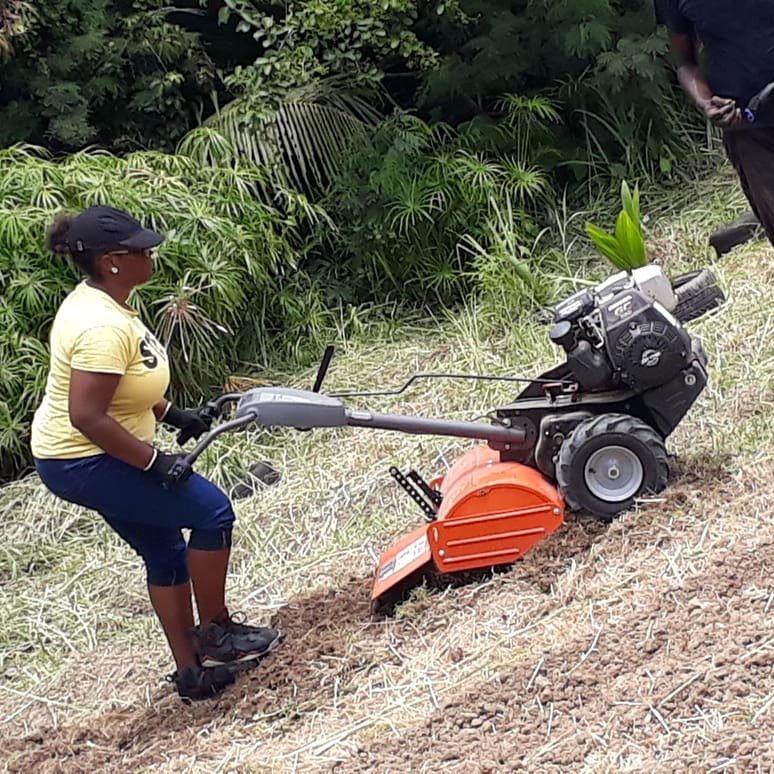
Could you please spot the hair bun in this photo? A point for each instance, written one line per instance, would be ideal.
(58, 233)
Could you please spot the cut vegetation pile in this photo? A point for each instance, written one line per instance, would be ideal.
(642, 645)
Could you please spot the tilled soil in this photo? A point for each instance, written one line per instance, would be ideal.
(672, 672)
(329, 643)
(680, 684)
(317, 652)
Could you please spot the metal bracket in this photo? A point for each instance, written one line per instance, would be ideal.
(435, 497)
(415, 492)
(554, 389)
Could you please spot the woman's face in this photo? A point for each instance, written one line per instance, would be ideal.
(134, 266)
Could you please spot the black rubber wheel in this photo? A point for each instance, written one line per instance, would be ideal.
(608, 461)
(697, 293)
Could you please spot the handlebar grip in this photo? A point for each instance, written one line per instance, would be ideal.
(225, 427)
(181, 471)
(209, 414)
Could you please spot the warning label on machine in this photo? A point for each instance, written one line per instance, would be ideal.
(405, 557)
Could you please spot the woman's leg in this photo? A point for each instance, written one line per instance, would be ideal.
(221, 640)
(148, 518)
(208, 571)
(169, 586)
(173, 608)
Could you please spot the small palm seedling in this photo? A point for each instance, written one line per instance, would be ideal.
(625, 249)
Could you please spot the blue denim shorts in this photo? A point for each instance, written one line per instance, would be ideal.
(145, 514)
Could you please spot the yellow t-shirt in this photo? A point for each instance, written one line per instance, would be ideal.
(92, 332)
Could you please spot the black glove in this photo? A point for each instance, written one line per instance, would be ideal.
(172, 469)
(191, 422)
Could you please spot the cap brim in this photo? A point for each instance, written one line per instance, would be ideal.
(143, 239)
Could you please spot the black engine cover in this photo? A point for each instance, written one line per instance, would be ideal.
(649, 354)
(645, 344)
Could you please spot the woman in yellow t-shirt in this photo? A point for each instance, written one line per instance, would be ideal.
(92, 441)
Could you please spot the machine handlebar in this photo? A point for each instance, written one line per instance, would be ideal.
(270, 407)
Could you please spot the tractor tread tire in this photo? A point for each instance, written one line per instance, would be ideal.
(622, 430)
(697, 293)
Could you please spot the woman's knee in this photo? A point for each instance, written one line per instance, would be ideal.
(214, 524)
(210, 539)
(164, 558)
(210, 507)
(166, 571)
(163, 551)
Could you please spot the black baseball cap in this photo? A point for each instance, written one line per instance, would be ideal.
(106, 228)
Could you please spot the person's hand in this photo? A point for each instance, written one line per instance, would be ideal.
(172, 469)
(192, 423)
(722, 112)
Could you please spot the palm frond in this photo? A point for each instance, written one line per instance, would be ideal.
(299, 144)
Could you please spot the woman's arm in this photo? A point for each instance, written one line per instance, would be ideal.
(161, 408)
(90, 396)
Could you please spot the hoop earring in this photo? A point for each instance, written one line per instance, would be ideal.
(114, 269)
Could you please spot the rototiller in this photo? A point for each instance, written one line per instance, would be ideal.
(586, 435)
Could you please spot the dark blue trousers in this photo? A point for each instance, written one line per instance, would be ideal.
(145, 514)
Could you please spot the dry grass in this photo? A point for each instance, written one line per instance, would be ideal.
(639, 646)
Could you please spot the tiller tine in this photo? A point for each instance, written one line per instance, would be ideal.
(488, 513)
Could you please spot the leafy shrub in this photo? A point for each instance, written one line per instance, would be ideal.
(601, 60)
(302, 40)
(415, 207)
(120, 74)
(227, 289)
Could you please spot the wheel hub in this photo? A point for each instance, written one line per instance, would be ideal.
(613, 473)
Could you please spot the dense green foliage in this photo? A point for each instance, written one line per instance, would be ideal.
(415, 208)
(602, 61)
(302, 40)
(112, 73)
(127, 74)
(319, 155)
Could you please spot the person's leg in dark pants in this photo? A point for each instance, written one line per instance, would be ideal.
(169, 587)
(172, 605)
(149, 518)
(751, 151)
(202, 507)
(221, 639)
(164, 552)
